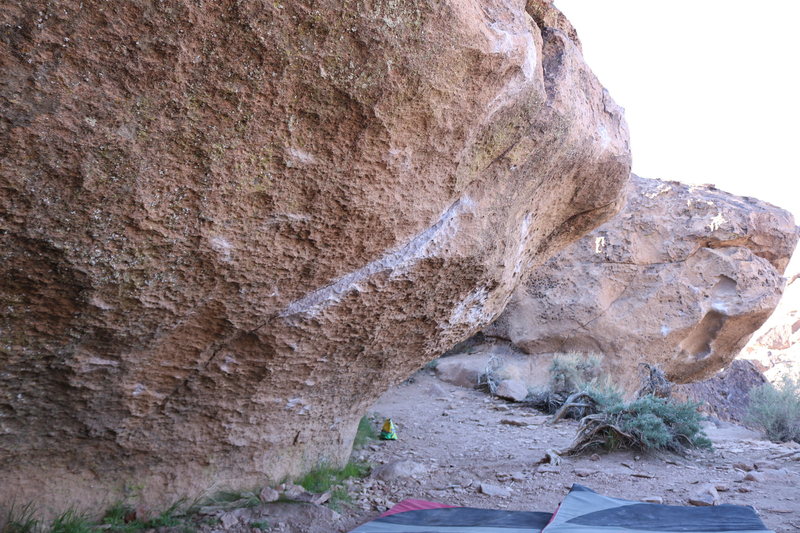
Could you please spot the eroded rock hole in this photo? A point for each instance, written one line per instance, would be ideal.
(698, 342)
(725, 287)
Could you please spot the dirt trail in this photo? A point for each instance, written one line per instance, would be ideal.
(459, 439)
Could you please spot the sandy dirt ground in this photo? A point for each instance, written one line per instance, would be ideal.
(455, 444)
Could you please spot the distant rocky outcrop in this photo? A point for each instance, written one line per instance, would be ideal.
(726, 395)
(775, 348)
(680, 278)
(227, 227)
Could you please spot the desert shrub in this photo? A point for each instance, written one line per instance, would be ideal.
(572, 372)
(646, 423)
(678, 423)
(577, 387)
(653, 381)
(776, 410)
(604, 393)
(491, 377)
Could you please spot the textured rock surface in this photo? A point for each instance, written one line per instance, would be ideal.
(775, 348)
(228, 226)
(463, 370)
(497, 362)
(727, 394)
(681, 278)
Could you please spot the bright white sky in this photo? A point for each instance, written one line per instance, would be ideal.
(711, 88)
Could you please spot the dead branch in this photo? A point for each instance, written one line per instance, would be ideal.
(572, 402)
(594, 431)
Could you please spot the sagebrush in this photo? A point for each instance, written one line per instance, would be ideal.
(572, 372)
(580, 389)
(776, 410)
(647, 423)
(577, 387)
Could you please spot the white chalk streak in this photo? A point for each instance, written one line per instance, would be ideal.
(417, 248)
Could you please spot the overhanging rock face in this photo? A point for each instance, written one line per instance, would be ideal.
(227, 227)
(680, 278)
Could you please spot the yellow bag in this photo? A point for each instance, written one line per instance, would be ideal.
(388, 431)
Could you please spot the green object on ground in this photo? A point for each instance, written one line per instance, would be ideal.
(388, 431)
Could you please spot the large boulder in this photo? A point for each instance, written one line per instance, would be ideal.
(680, 278)
(775, 348)
(228, 226)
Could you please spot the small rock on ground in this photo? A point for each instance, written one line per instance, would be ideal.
(268, 495)
(399, 469)
(494, 490)
(754, 476)
(228, 520)
(514, 422)
(706, 495)
(512, 389)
